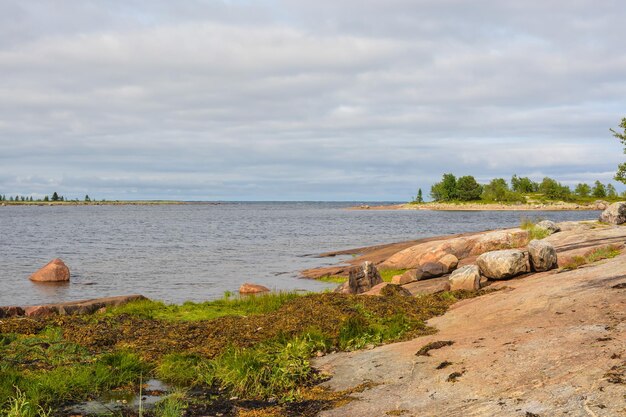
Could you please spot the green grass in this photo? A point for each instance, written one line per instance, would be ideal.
(387, 274)
(190, 311)
(336, 279)
(534, 232)
(173, 405)
(261, 350)
(605, 252)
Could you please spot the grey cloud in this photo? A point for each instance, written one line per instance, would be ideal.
(305, 100)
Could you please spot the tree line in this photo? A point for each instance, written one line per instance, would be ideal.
(466, 188)
(54, 197)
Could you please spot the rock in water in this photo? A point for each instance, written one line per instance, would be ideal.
(54, 271)
(542, 255)
(248, 288)
(362, 279)
(465, 278)
(502, 264)
(615, 213)
(549, 225)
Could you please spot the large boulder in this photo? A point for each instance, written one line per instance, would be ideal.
(549, 225)
(542, 255)
(615, 213)
(444, 265)
(54, 271)
(500, 240)
(362, 279)
(247, 288)
(503, 264)
(465, 278)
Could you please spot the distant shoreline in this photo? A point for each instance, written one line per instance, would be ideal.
(98, 203)
(556, 206)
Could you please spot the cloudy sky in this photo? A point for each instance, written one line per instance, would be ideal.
(303, 99)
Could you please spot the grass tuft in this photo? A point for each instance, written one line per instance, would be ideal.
(605, 252)
(535, 232)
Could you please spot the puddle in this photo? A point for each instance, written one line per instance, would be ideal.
(153, 391)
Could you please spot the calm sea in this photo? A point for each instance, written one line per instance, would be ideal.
(198, 251)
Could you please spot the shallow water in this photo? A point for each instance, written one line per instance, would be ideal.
(197, 251)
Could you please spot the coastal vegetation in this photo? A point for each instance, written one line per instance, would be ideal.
(621, 168)
(233, 349)
(520, 190)
(534, 231)
(595, 255)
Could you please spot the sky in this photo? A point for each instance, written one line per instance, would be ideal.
(305, 99)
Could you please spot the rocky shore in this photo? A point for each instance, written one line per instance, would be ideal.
(550, 341)
(469, 206)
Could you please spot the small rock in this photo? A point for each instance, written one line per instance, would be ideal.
(614, 214)
(542, 255)
(362, 279)
(503, 264)
(11, 311)
(408, 276)
(54, 271)
(449, 262)
(248, 288)
(465, 278)
(549, 225)
(600, 204)
(432, 270)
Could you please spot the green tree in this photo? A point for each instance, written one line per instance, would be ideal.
(87, 197)
(582, 190)
(496, 190)
(599, 190)
(523, 185)
(554, 190)
(611, 192)
(55, 196)
(620, 175)
(446, 190)
(46, 198)
(468, 189)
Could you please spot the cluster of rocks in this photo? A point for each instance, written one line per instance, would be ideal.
(72, 307)
(496, 264)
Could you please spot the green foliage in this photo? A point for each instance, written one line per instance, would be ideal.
(599, 190)
(620, 175)
(446, 190)
(419, 198)
(582, 190)
(173, 405)
(278, 366)
(498, 190)
(468, 189)
(534, 232)
(554, 190)
(189, 311)
(611, 192)
(523, 185)
(604, 252)
(20, 406)
(182, 369)
(387, 274)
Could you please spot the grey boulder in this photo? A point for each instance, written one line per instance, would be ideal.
(503, 264)
(542, 255)
(614, 214)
